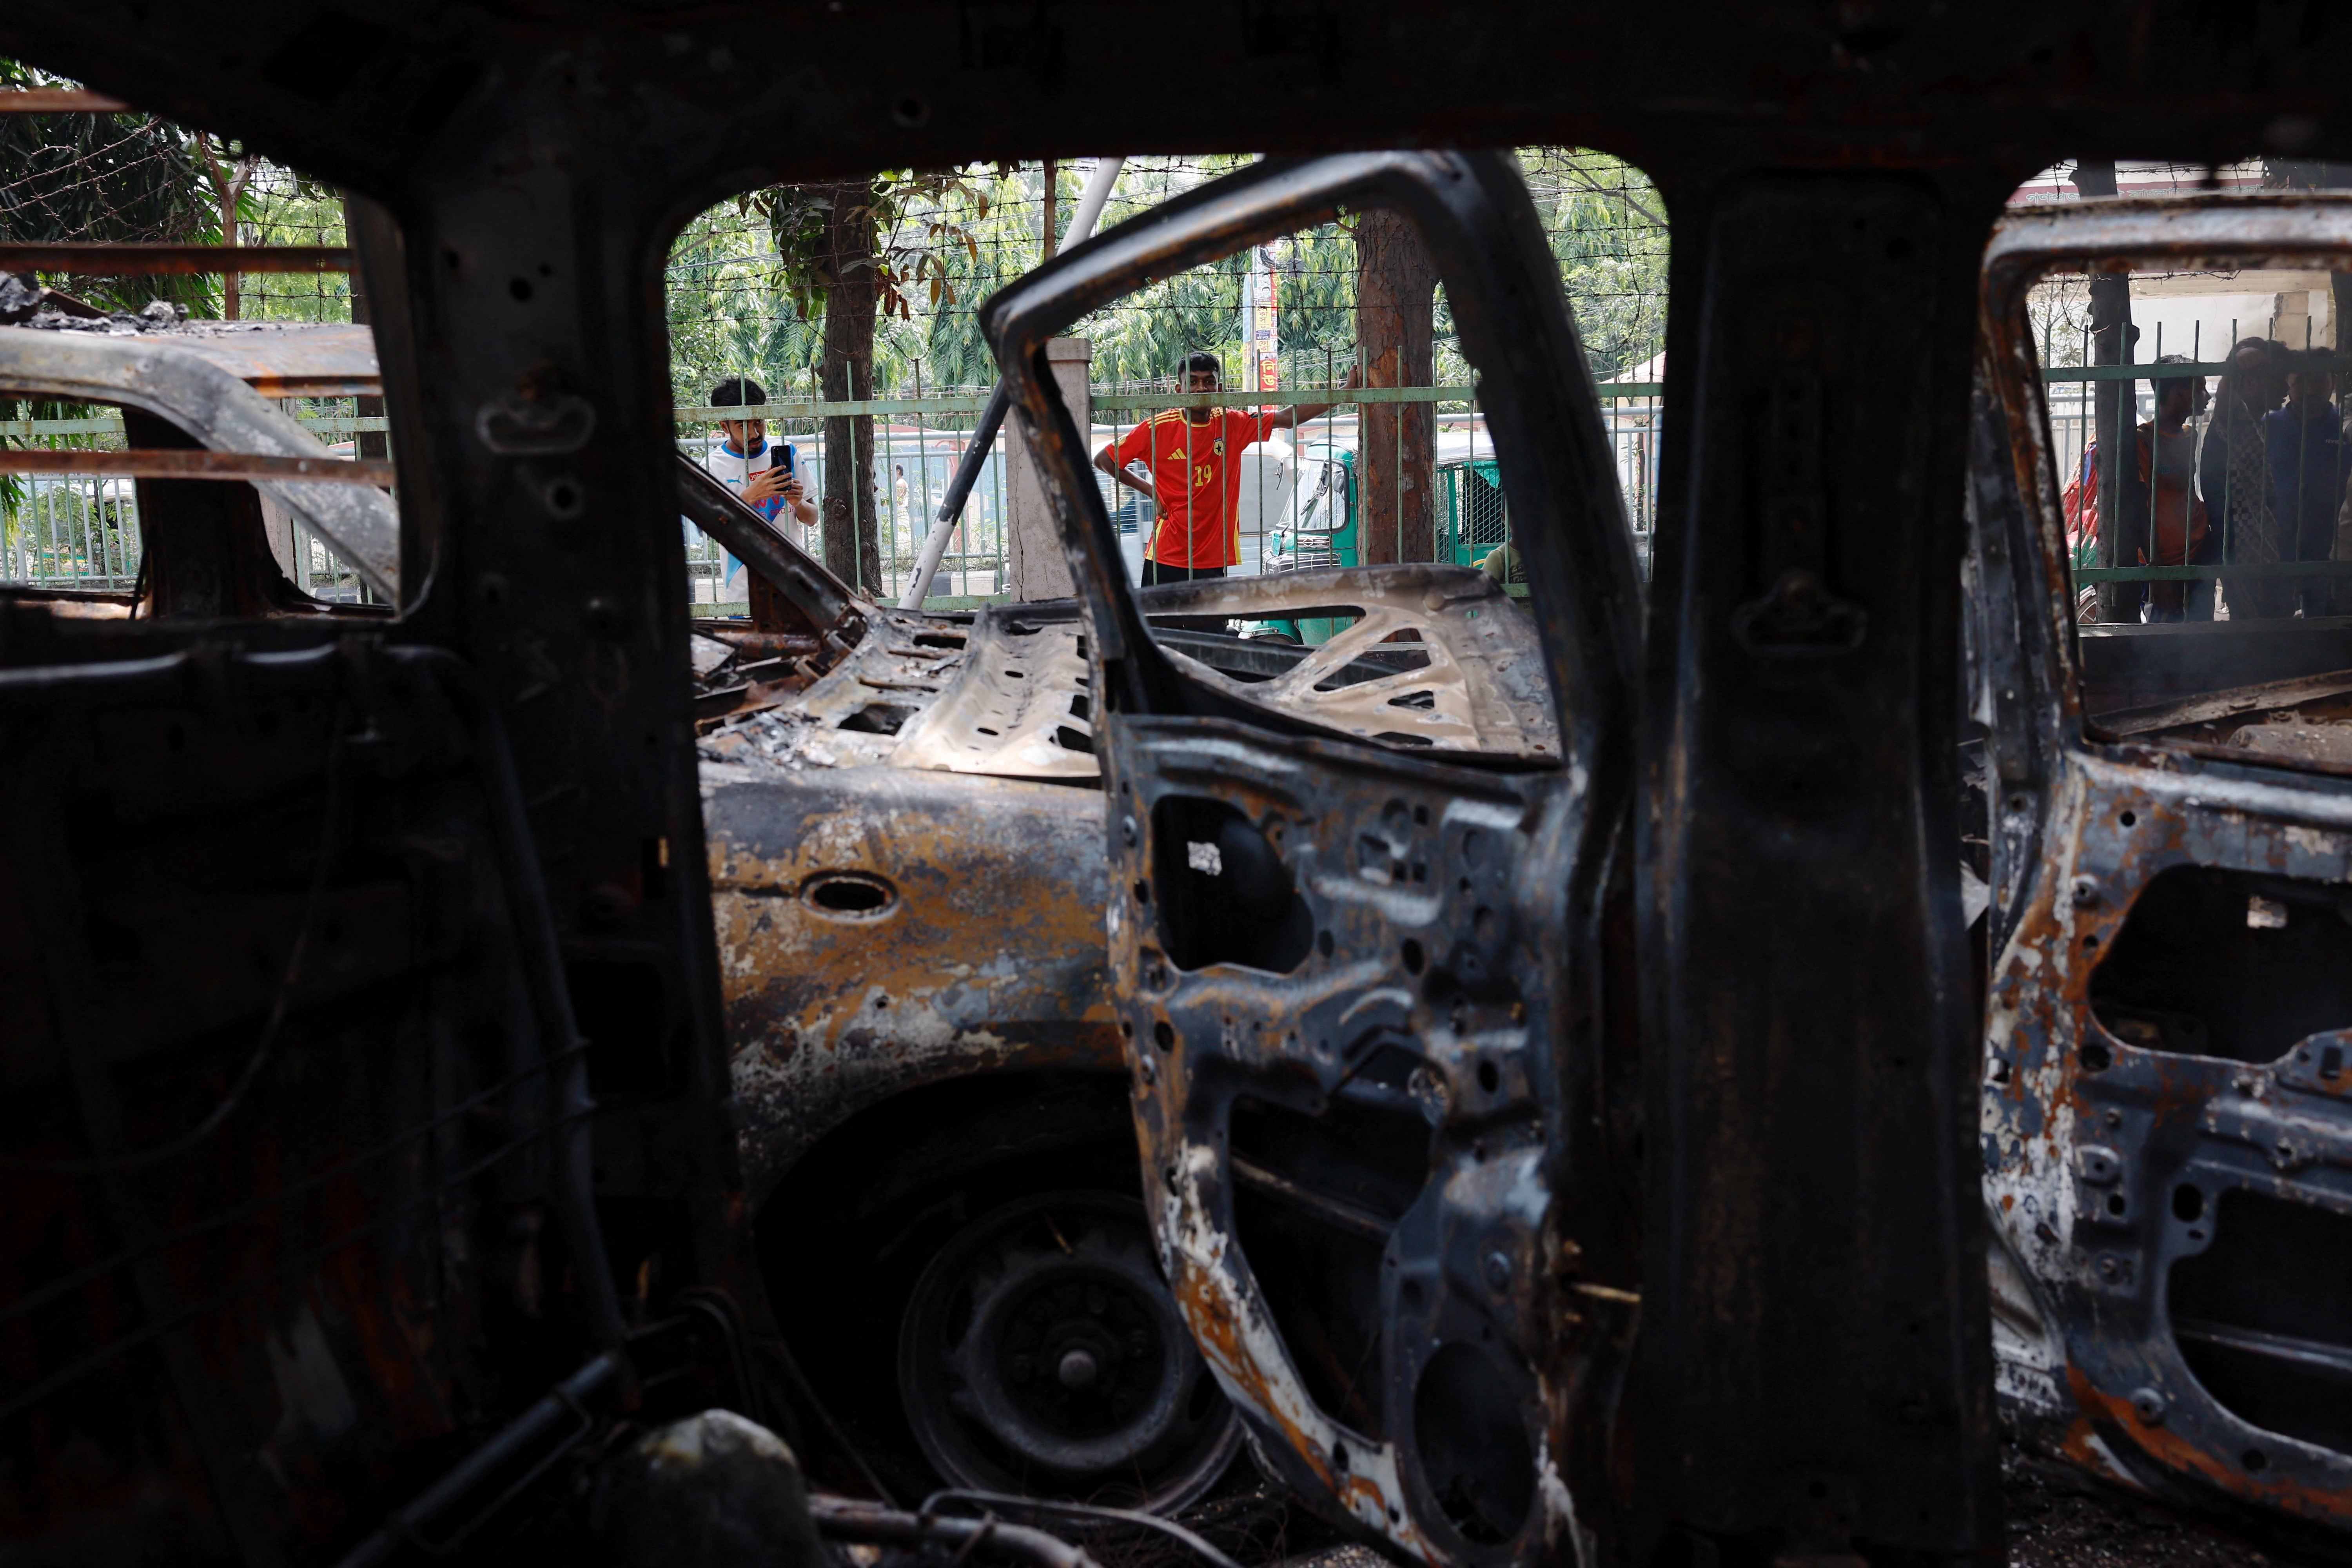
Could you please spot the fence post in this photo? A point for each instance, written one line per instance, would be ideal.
(1034, 562)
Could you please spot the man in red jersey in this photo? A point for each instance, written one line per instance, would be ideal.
(1194, 455)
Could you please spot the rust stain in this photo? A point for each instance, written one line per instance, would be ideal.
(985, 953)
(2327, 1505)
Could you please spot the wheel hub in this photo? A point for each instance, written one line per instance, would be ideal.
(1042, 1345)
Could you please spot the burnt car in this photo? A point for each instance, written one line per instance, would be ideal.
(910, 882)
(2167, 768)
(908, 879)
(377, 1260)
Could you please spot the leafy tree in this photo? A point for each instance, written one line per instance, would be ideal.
(1608, 228)
(103, 177)
(94, 177)
(849, 251)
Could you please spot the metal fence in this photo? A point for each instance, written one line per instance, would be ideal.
(918, 442)
(2071, 396)
(81, 531)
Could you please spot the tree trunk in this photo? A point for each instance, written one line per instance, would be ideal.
(847, 268)
(1395, 323)
(227, 189)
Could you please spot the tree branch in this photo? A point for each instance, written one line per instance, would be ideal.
(1587, 181)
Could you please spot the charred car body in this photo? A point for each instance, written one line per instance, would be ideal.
(2171, 848)
(501, 1271)
(910, 874)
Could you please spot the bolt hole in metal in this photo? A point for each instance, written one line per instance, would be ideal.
(1489, 1078)
(2129, 819)
(563, 498)
(2188, 1203)
(850, 895)
(1042, 1354)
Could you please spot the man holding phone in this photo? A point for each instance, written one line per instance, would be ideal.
(764, 474)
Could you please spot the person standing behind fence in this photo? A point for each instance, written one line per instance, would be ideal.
(2234, 472)
(2309, 466)
(764, 474)
(902, 522)
(2159, 521)
(1194, 455)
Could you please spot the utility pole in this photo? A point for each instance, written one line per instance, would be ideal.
(1046, 213)
(2112, 335)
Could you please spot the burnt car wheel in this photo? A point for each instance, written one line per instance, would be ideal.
(1042, 1352)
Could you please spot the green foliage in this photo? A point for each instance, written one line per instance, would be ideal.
(282, 206)
(744, 295)
(1608, 228)
(104, 177)
(731, 312)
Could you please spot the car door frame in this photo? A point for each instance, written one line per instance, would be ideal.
(1540, 1246)
(2082, 1131)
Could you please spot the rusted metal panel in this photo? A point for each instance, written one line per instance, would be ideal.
(1017, 704)
(276, 359)
(144, 260)
(881, 928)
(290, 359)
(1474, 681)
(196, 466)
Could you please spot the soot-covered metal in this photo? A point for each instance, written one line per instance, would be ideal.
(1361, 991)
(372, 1128)
(2164, 1117)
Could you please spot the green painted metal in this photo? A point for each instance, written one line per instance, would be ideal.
(2193, 574)
(1469, 545)
(2144, 369)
